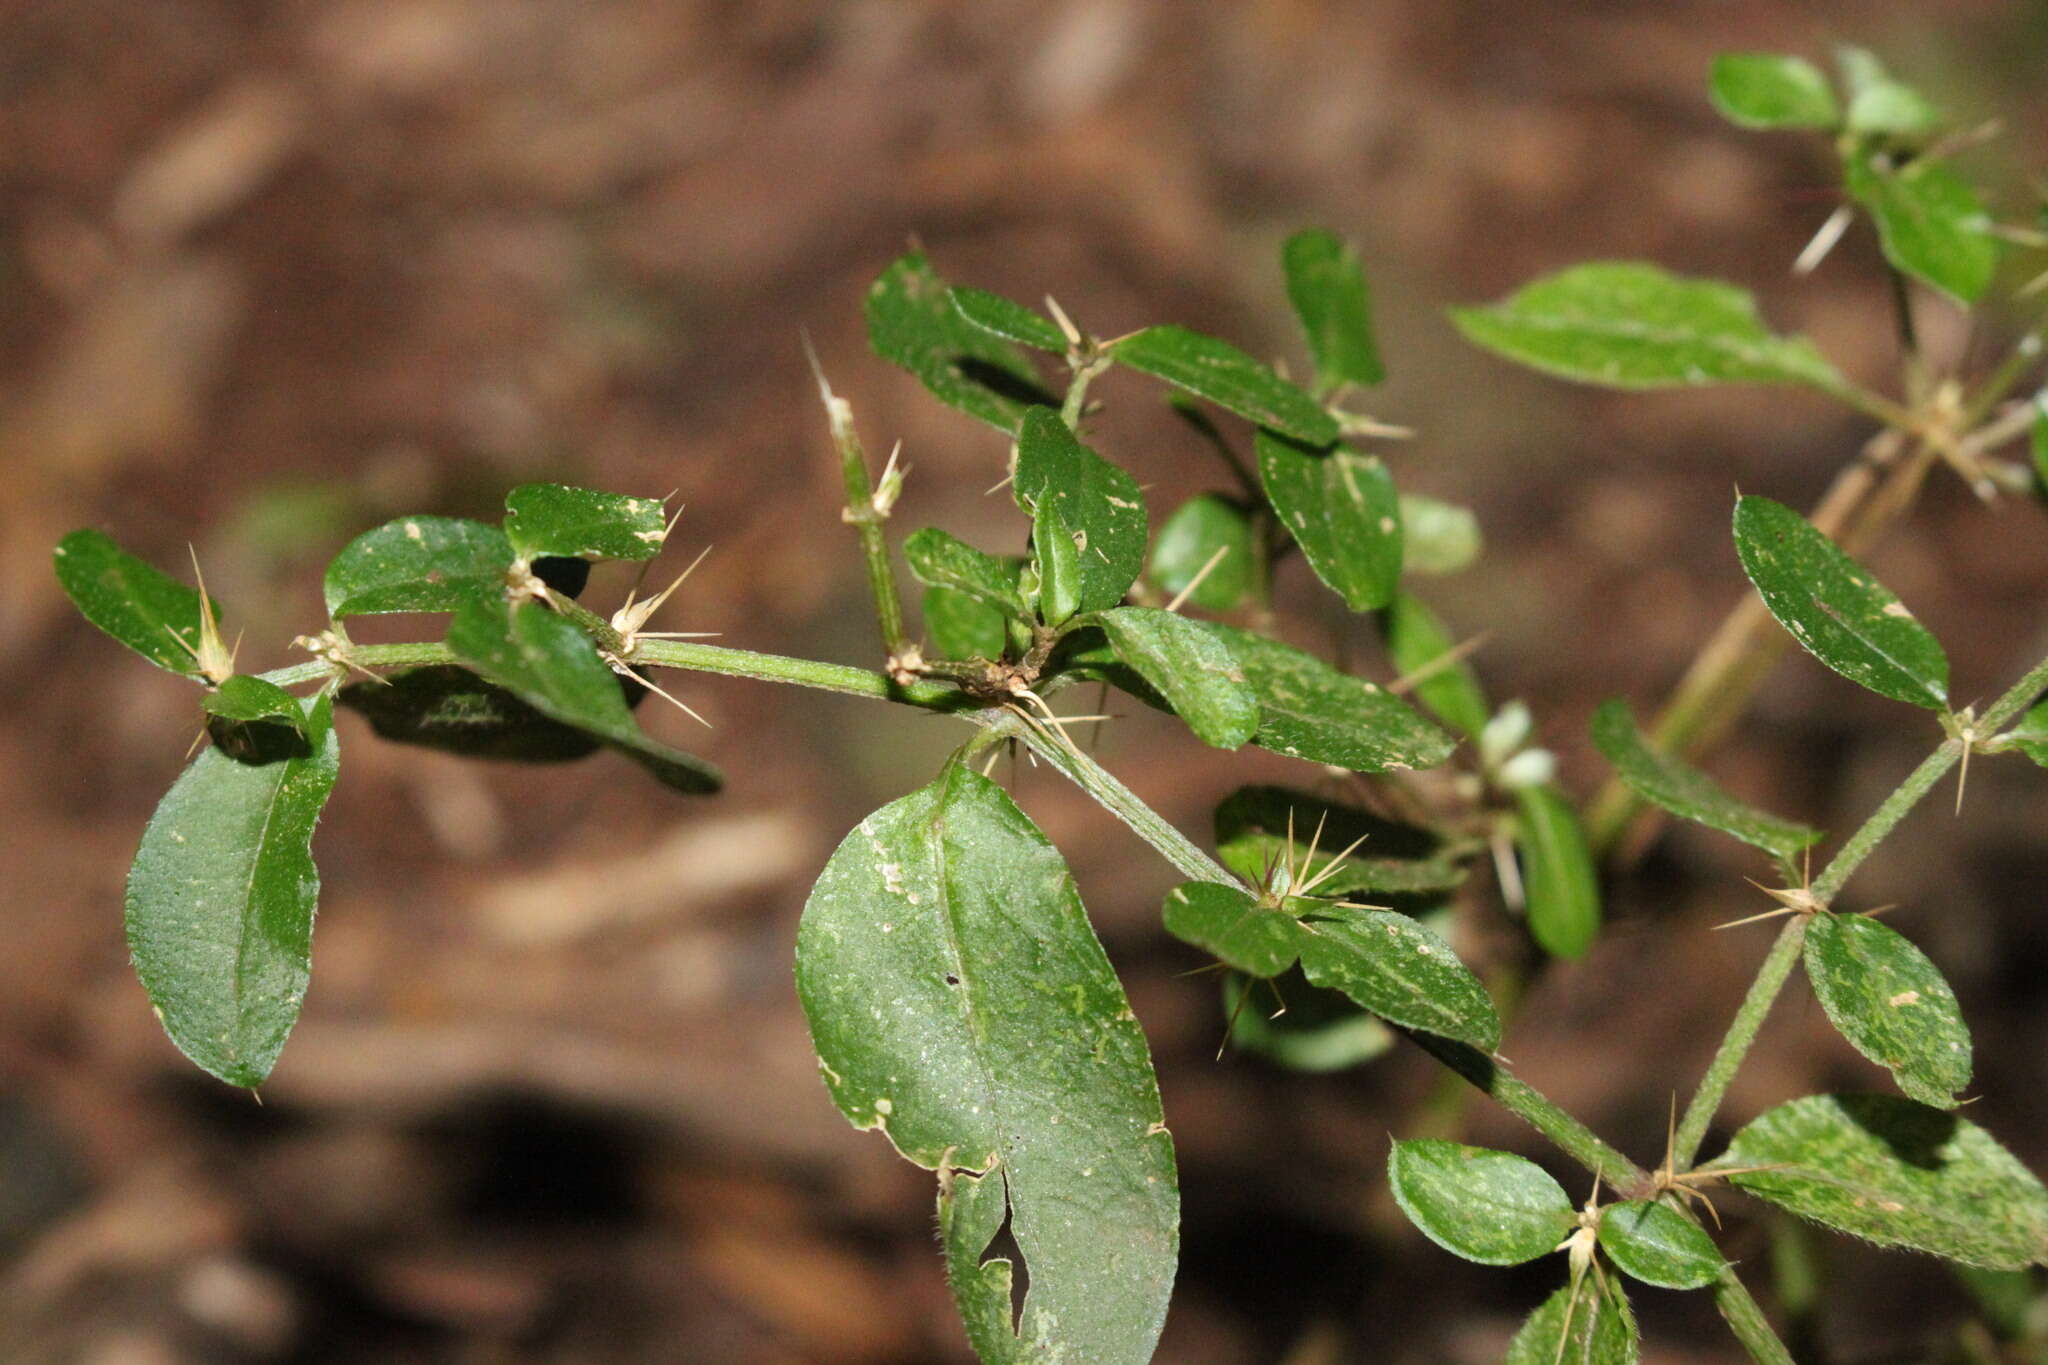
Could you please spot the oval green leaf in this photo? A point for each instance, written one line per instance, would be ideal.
(1309, 710)
(1401, 971)
(418, 563)
(1835, 609)
(1491, 1207)
(1635, 326)
(1930, 222)
(1006, 318)
(963, 626)
(582, 523)
(1229, 923)
(549, 663)
(2030, 733)
(1056, 556)
(1655, 1243)
(1327, 287)
(1686, 791)
(1099, 502)
(1560, 884)
(1206, 527)
(1196, 672)
(1882, 105)
(1448, 689)
(912, 323)
(1579, 1325)
(940, 561)
(1891, 1003)
(1896, 1173)
(1437, 537)
(960, 1002)
(1341, 508)
(1216, 370)
(1771, 90)
(221, 900)
(131, 599)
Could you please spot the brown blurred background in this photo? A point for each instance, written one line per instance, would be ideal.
(274, 272)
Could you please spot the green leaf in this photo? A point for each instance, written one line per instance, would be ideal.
(1583, 1325)
(1218, 371)
(1416, 640)
(912, 323)
(1635, 326)
(1097, 501)
(447, 707)
(1930, 222)
(419, 563)
(1770, 90)
(960, 1002)
(1342, 510)
(1835, 609)
(1309, 710)
(582, 523)
(1881, 105)
(1437, 537)
(1230, 924)
(940, 561)
(1686, 791)
(1321, 1031)
(1891, 1003)
(1658, 1245)
(1252, 839)
(1007, 318)
(1057, 560)
(963, 626)
(1401, 971)
(131, 600)
(1327, 287)
(1201, 529)
(1559, 883)
(1897, 1173)
(549, 663)
(245, 699)
(2030, 734)
(1486, 1206)
(221, 899)
(1192, 669)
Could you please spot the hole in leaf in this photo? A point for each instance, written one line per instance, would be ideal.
(1003, 1247)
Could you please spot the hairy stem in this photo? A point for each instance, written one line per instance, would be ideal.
(1523, 1100)
(1745, 1318)
(1125, 805)
(1735, 1044)
(866, 513)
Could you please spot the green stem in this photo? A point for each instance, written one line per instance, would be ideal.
(1077, 392)
(827, 677)
(1125, 805)
(364, 656)
(1523, 1100)
(1735, 1044)
(1745, 1318)
(866, 516)
(1882, 820)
